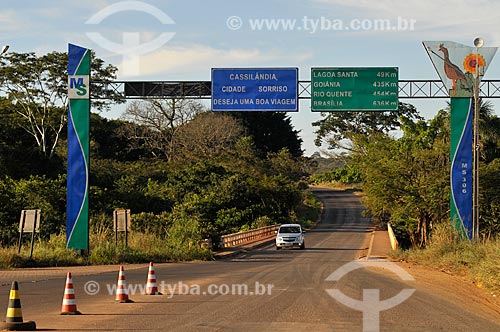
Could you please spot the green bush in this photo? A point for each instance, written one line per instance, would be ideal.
(174, 205)
(36, 192)
(309, 210)
(345, 175)
(147, 222)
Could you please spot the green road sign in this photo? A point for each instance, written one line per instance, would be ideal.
(354, 89)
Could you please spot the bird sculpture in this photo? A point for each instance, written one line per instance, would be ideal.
(452, 71)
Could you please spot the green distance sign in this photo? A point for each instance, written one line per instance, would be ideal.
(354, 89)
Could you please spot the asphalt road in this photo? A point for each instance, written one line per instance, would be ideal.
(268, 290)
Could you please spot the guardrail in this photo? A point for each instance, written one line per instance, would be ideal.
(392, 237)
(232, 240)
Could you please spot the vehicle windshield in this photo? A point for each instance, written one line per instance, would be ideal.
(290, 229)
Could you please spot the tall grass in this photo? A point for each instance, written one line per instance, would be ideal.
(480, 260)
(104, 249)
(51, 252)
(144, 248)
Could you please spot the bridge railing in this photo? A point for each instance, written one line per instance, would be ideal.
(392, 237)
(235, 239)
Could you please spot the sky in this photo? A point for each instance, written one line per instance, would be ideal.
(171, 40)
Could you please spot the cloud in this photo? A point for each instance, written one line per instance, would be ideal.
(440, 12)
(196, 60)
(11, 21)
(440, 19)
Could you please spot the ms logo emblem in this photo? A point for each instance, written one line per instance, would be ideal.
(78, 86)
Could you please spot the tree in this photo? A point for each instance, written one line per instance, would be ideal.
(489, 198)
(489, 170)
(338, 129)
(408, 178)
(271, 132)
(20, 157)
(489, 132)
(35, 192)
(37, 87)
(108, 140)
(206, 136)
(157, 120)
(405, 178)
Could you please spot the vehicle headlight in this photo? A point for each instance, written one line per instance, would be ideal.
(280, 238)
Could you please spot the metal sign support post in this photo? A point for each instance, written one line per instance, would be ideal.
(475, 150)
(121, 223)
(29, 223)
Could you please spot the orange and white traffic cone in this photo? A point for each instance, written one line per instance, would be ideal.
(121, 289)
(69, 301)
(151, 286)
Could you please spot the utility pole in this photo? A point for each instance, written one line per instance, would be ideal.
(478, 42)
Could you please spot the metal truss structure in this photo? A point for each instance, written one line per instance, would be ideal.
(408, 89)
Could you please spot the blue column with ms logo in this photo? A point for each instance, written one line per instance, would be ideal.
(77, 208)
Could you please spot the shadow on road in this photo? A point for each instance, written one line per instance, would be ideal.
(334, 249)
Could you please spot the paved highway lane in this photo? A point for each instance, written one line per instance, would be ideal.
(267, 290)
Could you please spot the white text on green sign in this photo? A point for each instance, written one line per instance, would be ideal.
(354, 89)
